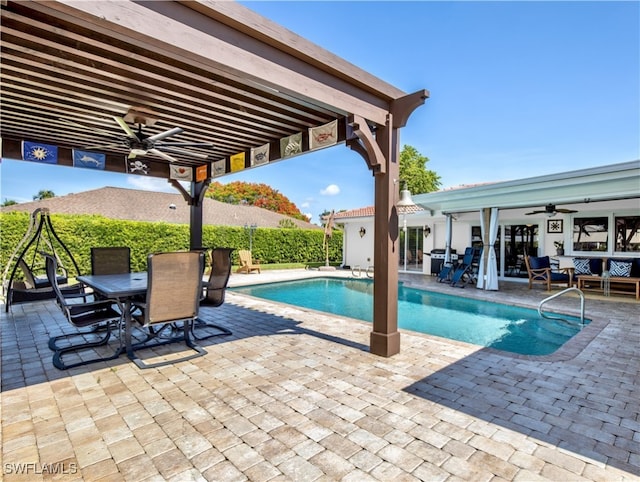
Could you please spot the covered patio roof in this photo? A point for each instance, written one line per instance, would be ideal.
(604, 183)
(217, 70)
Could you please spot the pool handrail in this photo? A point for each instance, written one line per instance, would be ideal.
(368, 271)
(541, 313)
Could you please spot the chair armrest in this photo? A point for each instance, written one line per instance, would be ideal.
(80, 308)
(138, 305)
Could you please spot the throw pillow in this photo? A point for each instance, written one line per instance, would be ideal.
(620, 268)
(582, 266)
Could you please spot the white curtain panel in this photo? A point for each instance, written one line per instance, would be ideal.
(481, 269)
(491, 282)
(447, 238)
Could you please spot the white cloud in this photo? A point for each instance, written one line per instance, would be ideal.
(145, 183)
(305, 205)
(330, 190)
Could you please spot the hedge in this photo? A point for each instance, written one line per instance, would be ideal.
(80, 233)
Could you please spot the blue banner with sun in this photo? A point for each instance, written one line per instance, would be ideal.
(39, 152)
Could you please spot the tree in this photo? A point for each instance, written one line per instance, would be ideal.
(43, 194)
(8, 202)
(253, 194)
(414, 174)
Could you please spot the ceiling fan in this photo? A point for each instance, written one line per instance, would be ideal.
(140, 143)
(551, 210)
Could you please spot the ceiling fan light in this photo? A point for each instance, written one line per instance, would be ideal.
(138, 152)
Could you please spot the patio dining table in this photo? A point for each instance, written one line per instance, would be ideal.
(122, 287)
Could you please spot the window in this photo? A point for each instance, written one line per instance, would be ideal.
(591, 234)
(411, 259)
(627, 233)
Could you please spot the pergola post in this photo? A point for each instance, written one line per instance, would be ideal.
(382, 154)
(385, 337)
(195, 200)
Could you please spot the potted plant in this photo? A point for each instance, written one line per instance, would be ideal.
(559, 247)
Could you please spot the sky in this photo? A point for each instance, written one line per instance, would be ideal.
(517, 89)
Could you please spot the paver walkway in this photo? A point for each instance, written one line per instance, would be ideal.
(295, 395)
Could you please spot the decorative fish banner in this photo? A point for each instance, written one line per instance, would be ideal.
(219, 168)
(260, 155)
(180, 173)
(291, 145)
(39, 152)
(323, 136)
(89, 160)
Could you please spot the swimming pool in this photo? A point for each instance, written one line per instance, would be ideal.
(503, 327)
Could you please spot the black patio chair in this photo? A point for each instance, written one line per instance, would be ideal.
(82, 311)
(110, 260)
(214, 291)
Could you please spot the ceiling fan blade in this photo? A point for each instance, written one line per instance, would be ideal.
(137, 152)
(183, 152)
(162, 135)
(163, 155)
(125, 127)
(566, 211)
(535, 212)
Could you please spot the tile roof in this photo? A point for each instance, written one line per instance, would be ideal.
(369, 211)
(137, 205)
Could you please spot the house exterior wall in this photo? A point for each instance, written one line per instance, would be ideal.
(358, 251)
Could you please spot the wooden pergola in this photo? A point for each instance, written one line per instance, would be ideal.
(217, 70)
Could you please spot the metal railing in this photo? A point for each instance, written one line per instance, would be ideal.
(556, 295)
(357, 270)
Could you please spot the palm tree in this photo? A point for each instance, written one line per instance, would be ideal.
(43, 194)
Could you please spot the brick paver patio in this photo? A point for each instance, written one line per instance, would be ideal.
(295, 395)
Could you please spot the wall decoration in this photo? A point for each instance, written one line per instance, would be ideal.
(39, 152)
(554, 226)
(133, 166)
(89, 160)
(180, 173)
(237, 162)
(219, 168)
(291, 145)
(201, 173)
(323, 136)
(260, 155)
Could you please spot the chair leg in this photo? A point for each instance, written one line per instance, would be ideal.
(198, 323)
(187, 329)
(59, 363)
(53, 341)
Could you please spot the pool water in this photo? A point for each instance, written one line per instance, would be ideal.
(503, 327)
